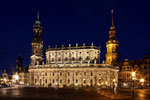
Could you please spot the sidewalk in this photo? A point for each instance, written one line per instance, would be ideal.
(111, 95)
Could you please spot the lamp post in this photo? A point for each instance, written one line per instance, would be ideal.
(16, 77)
(133, 77)
(114, 86)
(142, 81)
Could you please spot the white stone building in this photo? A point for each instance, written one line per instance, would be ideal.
(68, 66)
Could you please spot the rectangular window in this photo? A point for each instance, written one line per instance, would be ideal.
(68, 73)
(84, 73)
(84, 81)
(60, 73)
(91, 73)
(60, 81)
(76, 73)
(68, 80)
(76, 80)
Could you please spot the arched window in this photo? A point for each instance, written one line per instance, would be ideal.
(73, 59)
(53, 74)
(87, 58)
(60, 80)
(52, 59)
(68, 73)
(66, 59)
(60, 73)
(76, 80)
(80, 58)
(91, 73)
(59, 59)
(68, 80)
(91, 81)
(84, 73)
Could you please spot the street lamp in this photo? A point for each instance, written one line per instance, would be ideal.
(142, 81)
(114, 86)
(16, 77)
(133, 77)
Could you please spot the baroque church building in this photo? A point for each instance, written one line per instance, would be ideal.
(73, 66)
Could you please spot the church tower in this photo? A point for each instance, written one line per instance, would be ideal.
(19, 67)
(112, 44)
(37, 44)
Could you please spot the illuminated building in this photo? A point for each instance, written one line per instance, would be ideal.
(146, 70)
(68, 66)
(21, 73)
(112, 55)
(5, 77)
(125, 73)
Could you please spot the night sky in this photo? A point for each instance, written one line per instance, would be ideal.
(71, 21)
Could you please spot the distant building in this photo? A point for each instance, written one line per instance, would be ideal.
(19, 67)
(5, 77)
(125, 73)
(140, 67)
(73, 65)
(145, 70)
(22, 73)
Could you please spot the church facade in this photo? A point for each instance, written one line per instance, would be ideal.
(73, 66)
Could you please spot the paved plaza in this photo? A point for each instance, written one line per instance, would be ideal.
(30, 93)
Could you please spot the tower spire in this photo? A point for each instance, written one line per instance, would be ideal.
(112, 12)
(112, 27)
(38, 15)
(112, 44)
(38, 20)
